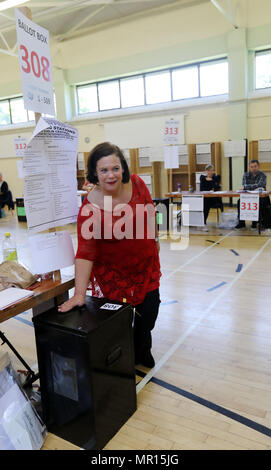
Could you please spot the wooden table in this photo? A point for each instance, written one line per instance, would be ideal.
(209, 194)
(48, 294)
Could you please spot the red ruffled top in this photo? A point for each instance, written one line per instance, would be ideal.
(122, 247)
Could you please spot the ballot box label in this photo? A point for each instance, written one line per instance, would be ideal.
(110, 307)
(249, 207)
(35, 65)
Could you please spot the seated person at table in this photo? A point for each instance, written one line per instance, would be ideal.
(253, 179)
(5, 194)
(210, 182)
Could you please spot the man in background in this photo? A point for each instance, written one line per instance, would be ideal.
(252, 180)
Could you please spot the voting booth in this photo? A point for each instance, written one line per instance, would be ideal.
(87, 371)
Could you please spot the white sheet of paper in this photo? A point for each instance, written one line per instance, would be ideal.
(13, 294)
(50, 183)
(171, 156)
(265, 145)
(203, 148)
(195, 203)
(235, 148)
(51, 251)
(192, 219)
(81, 161)
(20, 169)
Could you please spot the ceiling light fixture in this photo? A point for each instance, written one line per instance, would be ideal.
(11, 3)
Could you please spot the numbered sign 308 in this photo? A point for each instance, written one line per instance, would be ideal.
(249, 207)
(35, 65)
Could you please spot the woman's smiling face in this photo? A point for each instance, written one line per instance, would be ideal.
(109, 173)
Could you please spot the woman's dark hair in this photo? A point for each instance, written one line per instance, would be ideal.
(103, 150)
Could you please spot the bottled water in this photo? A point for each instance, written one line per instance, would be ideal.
(9, 248)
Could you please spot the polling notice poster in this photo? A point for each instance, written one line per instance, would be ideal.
(50, 184)
(35, 65)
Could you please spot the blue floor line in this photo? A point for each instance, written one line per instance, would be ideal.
(217, 286)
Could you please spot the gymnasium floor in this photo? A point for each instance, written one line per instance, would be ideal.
(211, 387)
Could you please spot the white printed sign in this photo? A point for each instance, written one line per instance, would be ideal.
(171, 132)
(50, 184)
(19, 146)
(51, 251)
(171, 156)
(235, 148)
(35, 65)
(249, 206)
(110, 307)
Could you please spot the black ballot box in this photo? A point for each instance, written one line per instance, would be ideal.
(87, 370)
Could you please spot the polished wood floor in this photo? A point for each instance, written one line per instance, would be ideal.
(212, 339)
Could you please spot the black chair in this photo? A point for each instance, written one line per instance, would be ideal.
(7, 200)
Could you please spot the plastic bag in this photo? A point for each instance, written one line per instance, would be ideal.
(20, 426)
(228, 220)
(13, 274)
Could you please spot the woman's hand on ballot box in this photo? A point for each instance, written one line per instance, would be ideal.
(77, 300)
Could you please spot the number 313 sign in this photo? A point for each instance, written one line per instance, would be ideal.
(249, 206)
(35, 65)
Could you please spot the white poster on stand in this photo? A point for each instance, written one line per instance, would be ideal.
(235, 148)
(249, 206)
(35, 65)
(171, 156)
(50, 184)
(51, 251)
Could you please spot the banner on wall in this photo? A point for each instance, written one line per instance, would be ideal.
(35, 65)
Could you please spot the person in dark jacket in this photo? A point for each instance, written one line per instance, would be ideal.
(5, 194)
(210, 182)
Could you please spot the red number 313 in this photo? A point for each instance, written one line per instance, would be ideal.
(39, 66)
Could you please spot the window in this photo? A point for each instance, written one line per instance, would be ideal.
(4, 113)
(158, 88)
(214, 78)
(185, 83)
(178, 83)
(87, 99)
(109, 95)
(18, 113)
(12, 112)
(263, 69)
(132, 92)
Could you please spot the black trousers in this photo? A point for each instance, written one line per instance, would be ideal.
(211, 202)
(264, 201)
(144, 321)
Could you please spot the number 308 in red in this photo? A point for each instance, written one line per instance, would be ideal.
(38, 66)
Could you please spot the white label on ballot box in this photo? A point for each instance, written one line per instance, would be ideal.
(110, 306)
(195, 203)
(249, 206)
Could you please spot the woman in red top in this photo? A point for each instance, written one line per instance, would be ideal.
(118, 248)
